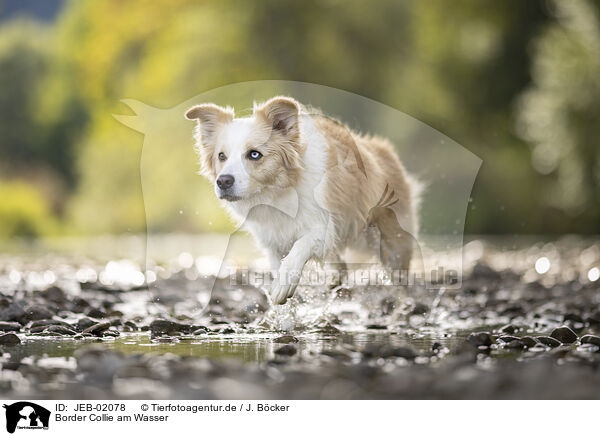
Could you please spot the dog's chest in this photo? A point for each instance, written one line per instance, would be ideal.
(273, 228)
(277, 230)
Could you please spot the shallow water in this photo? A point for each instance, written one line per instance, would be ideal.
(258, 347)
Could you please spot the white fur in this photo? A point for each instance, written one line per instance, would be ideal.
(291, 228)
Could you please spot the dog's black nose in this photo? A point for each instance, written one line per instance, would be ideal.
(225, 181)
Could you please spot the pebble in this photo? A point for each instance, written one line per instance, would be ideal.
(376, 327)
(590, 339)
(529, 341)
(327, 329)
(286, 350)
(35, 312)
(85, 323)
(507, 338)
(6, 326)
(47, 322)
(54, 294)
(436, 347)
(130, 326)
(480, 339)
(96, 313)
(285, 339)
(160, 327)
(61, 330)
(564, 334)
(386, 350)
(509, 329)
(97, 329)
(337, 354)
(484, 271)
(549, 341)
(514, 345)
(404, 352)
(9, 339)
(419, 309)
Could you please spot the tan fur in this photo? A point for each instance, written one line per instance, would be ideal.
(352, 191)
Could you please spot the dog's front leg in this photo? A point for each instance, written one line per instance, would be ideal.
(291, 267)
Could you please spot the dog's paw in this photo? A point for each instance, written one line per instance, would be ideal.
(284, 286)
(280, 293)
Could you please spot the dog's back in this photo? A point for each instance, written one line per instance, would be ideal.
(367, 186)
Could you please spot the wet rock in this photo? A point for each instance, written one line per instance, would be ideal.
(285, 339)
(590, 339)
(219, 321)
(419, 309)
(529, 341)
(96, 313)
(513, 310)
(14, 311)
(327, 329)
(61, 330)
(507, 339)
(564, 334)
(9, 339)
(337, 354)
(573, 317)
(84, 323)
(484, 271)
(226, 331)
(387, 351)
(480, 339)
(404, 352)
(436, 347)
(376, 327)
(514, 345)
(200, 330)
(78, 304)
(6, 326)
(37, 329)
(130, 326)
(163, 327)
(112, 333)
(594, 319)
(97, 329)
(54, 294)
(509, 329)
(35, 312)
(549, 341)
(286, 350)
(47, 322)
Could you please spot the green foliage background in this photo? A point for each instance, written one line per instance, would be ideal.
(515, 82)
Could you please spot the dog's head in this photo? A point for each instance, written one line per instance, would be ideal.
(244, 157)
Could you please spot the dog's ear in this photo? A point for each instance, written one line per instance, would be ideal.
(209, 117)
(281, 113)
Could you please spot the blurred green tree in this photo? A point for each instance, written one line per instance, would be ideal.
(459, 69)
(559, 115)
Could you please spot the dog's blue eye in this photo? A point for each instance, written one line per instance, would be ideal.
(222, 156)
(254, 155)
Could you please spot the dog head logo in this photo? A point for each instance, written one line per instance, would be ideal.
(26, 415)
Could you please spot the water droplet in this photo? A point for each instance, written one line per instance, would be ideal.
(594, 274)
